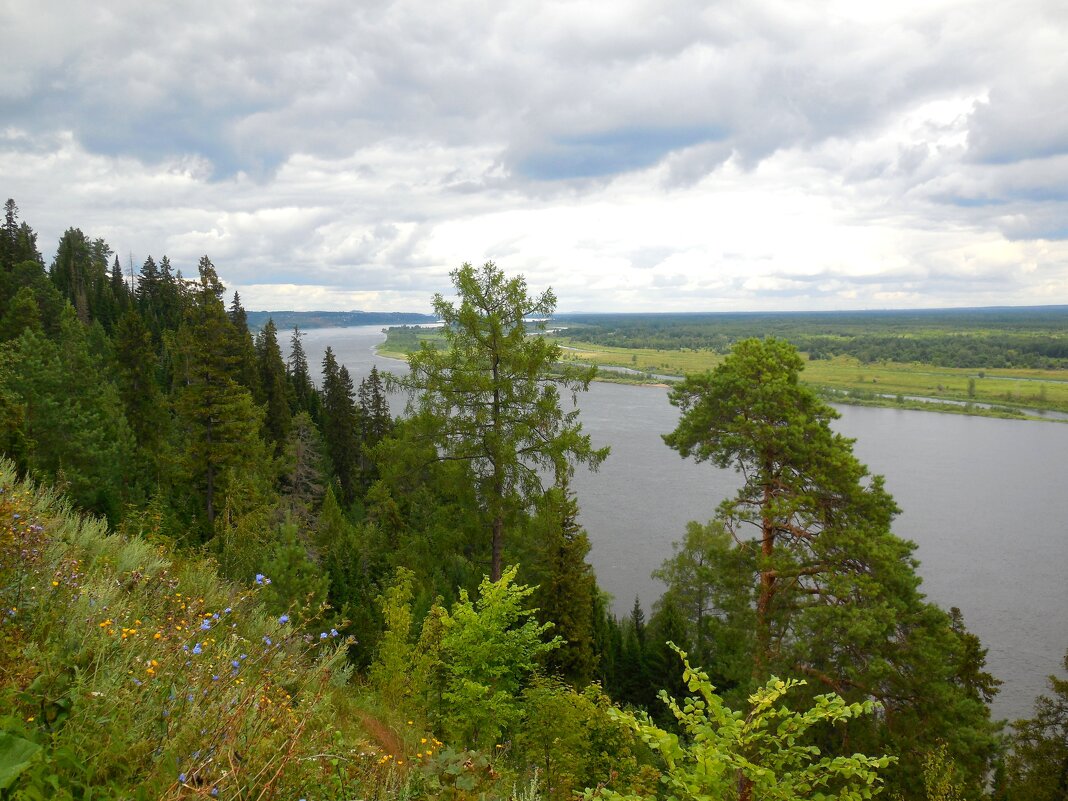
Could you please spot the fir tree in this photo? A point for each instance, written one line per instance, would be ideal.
(340, 424)
(218, 422)
(273, 386)
(305, 398)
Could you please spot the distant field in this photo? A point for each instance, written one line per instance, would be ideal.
(1044, 389)
(1014, 359)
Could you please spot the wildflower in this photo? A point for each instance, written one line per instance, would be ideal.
(267, 640)
(214, 791)
(196, 648)
(157, 635)
(181, 778)
(262, 579)
(283, 619)
(205, 625)
(322, 635)
(333, 633)
(235, 663)
(227, 610)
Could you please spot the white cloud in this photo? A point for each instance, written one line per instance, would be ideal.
(673, 155)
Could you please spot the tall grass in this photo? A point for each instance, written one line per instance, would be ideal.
(127, 671)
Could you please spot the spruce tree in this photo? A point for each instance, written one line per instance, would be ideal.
(274, 389)
(340, 424)
(141, 394)
(305, 398)
(217, 419)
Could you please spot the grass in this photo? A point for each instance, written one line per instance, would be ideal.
(129, 671)
(870, 383)
(843, 379)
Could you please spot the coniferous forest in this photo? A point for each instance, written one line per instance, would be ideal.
(226, 573)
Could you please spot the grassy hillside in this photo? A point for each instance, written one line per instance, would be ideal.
(128, 671)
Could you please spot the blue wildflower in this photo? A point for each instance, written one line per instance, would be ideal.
(267, 640)
(333, 633)
(205, 625)
(181, 778)
(322, 635)
(283, 619)
(196, 648)
(235, 663)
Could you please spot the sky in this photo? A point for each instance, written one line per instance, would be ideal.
(635, 156)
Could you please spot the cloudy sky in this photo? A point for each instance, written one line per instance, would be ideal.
(662, 155)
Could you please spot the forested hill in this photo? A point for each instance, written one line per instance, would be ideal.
(287, 320)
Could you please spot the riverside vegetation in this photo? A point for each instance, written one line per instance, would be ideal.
(984, 362)
(220, 580)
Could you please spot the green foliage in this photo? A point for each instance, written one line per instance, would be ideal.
(710, 582)
(73, 427)
(576, 741)
(836, 596)
(949, 337)
(391, 671)
(136, 673)
(763, 754)
(340, 424)
(489, 648)
(491, 400)
(274, 389)
(298, 586)
(1037, 766)
(217, 421)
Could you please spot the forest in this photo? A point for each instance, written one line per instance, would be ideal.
(229, 574)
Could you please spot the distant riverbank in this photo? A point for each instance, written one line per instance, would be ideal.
(842, 380)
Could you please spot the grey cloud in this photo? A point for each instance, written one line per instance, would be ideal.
(567, 92)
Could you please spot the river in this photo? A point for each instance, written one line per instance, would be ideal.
(983, 498)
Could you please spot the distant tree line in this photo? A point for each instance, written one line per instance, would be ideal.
(973, 338)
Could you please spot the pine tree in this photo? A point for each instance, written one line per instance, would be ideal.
(836, 593)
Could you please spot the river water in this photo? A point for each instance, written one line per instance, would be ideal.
(983, 498)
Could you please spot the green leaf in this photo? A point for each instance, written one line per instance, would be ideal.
(16, 755)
